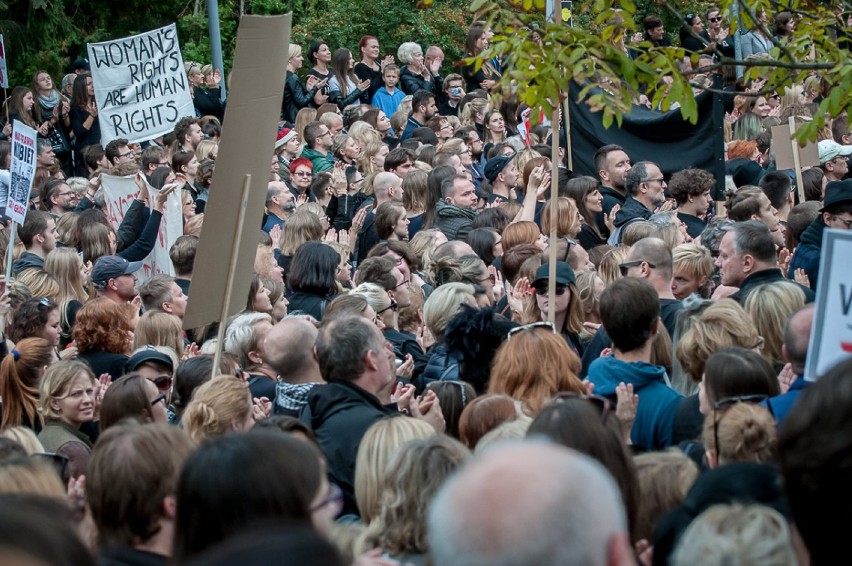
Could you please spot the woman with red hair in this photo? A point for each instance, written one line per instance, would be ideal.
(104, 335)
(533, 364)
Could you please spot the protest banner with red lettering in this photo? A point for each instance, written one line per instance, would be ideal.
(119, 193)
(140, 85)
(23, 171)
(831, 332)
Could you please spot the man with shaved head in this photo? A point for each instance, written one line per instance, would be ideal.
(289, 350)
(651, 259)
(513, 507)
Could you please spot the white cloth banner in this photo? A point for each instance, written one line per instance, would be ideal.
(23, 171)
(119, 193)
(4, 78)
(140, 85)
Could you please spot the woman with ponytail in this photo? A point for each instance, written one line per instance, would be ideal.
(21, 372)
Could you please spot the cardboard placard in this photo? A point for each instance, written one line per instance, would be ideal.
(140, 84)
(831, 333)
(248, 140)
(782, 145)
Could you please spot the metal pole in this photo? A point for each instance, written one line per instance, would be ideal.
(216, 42)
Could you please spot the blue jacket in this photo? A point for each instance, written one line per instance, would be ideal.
(780, 405)
(808, 251)
(658, 403)
(387, 102)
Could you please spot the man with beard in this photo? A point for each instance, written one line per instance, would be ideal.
(612, 164)
(646, 187)
(58, 197)
(280, 204)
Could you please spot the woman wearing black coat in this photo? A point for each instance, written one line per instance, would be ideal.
(296, 96)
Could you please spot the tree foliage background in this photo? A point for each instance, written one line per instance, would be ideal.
(50, 34)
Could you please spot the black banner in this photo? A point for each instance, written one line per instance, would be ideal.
(647, 135)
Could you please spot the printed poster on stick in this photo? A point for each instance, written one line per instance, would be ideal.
(831, 333)
(23, 171)
(140, 85)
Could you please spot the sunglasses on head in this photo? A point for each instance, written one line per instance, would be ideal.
(542, 324)
(727, 402)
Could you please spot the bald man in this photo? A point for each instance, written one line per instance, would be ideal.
(289, 350)
(513, 507)
(797, 338)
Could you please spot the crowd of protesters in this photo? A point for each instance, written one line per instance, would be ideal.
(393, 391)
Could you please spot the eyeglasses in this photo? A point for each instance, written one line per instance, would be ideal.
(303, 173)
(603, 404)
(161, 398)
(623, 267)
(847, 223)
(335, 499)
(658, 180)
(65, 194)
(392, 306)
(542, 324)
(327, 133)
(541, 289)
(163, 382)
(726, 402)
(128, 154)
(401, 283)
(491, 277)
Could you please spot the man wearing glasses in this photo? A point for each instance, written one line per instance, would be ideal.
(645, 186)
(318, 147)
(118, 152)
(834, 159)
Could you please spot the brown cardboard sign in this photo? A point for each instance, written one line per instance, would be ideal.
(245, 150)
(782, 145)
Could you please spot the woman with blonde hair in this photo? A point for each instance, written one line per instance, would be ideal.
(424, 243)
(25, 437)
(70, 273)
(589, 290)
(31, 476)
(304, 117)
(21, 372)
(740, 430)
(158, 328)
(412, 479)
(67, 401)
(296, 96)
(219, 406)
(415, 192)
(770, 306)
(608, 270)
(206, 149)
(301, 227)
(372, 159)
(724, 323)
(41, 283)
(473, 114)
(377, 448)
(568, 219)
(533, 365)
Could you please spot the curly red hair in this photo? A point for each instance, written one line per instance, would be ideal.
(103, 324)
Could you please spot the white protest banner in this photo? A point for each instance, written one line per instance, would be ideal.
(140, 85)
(4, 79)
(23, 171)
(119, 193)
(831, 333)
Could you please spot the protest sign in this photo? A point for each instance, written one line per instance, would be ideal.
(831, 333)
(224, 261)
(140, 85)
(23, 171)
(4, 79)
(119, 194)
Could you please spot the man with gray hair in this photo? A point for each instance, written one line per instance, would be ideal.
(748, 258)
(355, 361)
(513, 507)
(645, 186)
